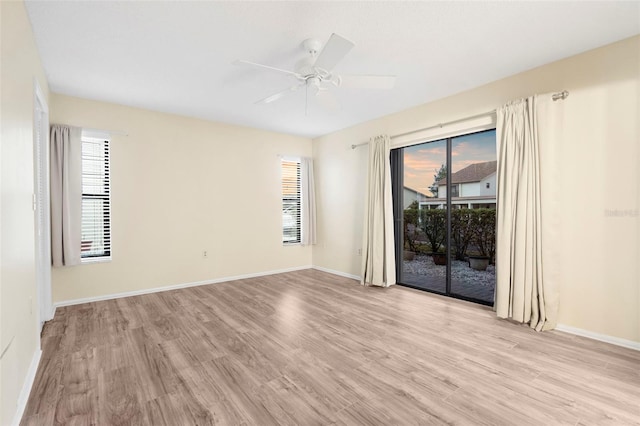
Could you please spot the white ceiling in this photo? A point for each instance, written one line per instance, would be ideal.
(176, 56)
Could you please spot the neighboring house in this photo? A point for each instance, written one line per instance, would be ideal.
(410, 195)
(472, 187)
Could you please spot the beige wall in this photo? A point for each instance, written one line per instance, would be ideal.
(181, 186)
(18, 323)
(600, 278)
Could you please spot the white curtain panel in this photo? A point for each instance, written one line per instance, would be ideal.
(66, 195)
(378, 252)
(308, 210)
(528, 132)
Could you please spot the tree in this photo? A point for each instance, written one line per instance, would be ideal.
(440, 174)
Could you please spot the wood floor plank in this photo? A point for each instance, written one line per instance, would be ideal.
(119, 397)
(370, 413)
(78, 403)
(241, 389)
(302, 406)
(312, 348)
(155, 371)
(42, 418)
(47, 385)
(177, 409)
(207, 388)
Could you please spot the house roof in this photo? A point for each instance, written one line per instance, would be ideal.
(472, 173)
(417, 192)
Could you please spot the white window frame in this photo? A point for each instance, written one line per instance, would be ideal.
(298, 240)
(92, 136)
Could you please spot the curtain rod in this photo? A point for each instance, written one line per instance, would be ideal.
(556, 96)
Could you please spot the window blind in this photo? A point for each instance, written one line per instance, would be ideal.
(290, 201)
(96, 199)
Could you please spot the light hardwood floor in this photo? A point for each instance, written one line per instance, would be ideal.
(311, 348)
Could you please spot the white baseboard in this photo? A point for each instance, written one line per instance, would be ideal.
(597, 336)
(26, 387)
(173, 287)
(334, 272)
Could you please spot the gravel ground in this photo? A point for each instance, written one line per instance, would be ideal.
(460, 271)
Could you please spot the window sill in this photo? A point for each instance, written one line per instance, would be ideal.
(90, 260)
(291, 244)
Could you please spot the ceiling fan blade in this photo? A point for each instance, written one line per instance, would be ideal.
(368, 81)
(279, 95)
(335, 49)
(253, 64)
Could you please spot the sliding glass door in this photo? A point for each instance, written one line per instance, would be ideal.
(444, 207)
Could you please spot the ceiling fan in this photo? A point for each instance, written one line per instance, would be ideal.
(314, 72)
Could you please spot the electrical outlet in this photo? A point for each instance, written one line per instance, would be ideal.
(205, 254)
(359, 252)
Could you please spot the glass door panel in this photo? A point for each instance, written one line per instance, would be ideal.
(473, 216)
(424, 216)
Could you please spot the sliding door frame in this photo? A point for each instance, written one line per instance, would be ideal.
(397, 179)
(448, 230)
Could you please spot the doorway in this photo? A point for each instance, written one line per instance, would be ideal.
(444, 194)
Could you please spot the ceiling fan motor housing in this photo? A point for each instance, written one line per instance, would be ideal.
(304, 66)
(312, 75)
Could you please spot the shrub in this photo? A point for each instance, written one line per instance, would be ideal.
(475, 227)
(410, 217)
(483, 225)
(422, 248)
(461, 232)
(433, 224)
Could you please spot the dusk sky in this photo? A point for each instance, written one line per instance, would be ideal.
(423, 161)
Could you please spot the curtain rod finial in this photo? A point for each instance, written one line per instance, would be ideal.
(561, 95)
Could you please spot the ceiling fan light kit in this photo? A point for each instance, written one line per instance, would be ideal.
(315, 70)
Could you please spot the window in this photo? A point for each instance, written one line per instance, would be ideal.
(488, 185)
(96, 203)
(454, 190)
(290, 201)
